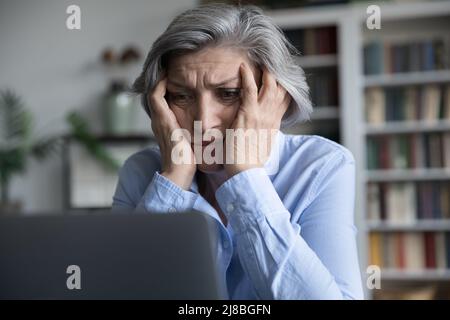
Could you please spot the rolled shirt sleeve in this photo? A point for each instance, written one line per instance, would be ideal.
(162, 195)
(159, 195)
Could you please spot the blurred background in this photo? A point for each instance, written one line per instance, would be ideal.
(67, 123)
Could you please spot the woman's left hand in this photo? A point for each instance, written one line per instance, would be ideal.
(257, 121)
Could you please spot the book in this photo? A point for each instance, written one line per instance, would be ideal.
(414, 251)
(445, 200)
(435, 150)
(375, 99)
(384, 155)
(441, 259)
(411, 103)
(400, 250)
(408, 203)
(373, 202)
(431, 103)
(375, 249)
(446, 103)
(389, 251)
(436, 205)
(419, 150)
(430, 250)
(446, 150)
(447, 248)
(412, 150)
(401, 205)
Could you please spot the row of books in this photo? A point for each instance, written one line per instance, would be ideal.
(426, 55)
(426, 103)
(323, 84)
(409, 151)
(313, 41)
(410, 251)
(408, 202)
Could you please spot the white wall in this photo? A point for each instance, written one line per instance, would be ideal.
(56, 70)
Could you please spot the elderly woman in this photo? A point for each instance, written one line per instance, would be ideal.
(285, 218)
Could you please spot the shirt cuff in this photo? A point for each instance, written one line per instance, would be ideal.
(162, 195)
(247, 197)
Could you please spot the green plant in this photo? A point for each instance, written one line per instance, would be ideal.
(17, 141)
(80, 131)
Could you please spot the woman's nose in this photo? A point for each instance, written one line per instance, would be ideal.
(206, 113)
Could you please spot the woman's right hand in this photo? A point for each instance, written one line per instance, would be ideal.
(164, 123)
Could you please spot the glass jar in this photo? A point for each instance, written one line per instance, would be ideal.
(119, 110)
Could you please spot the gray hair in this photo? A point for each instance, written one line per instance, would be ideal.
(243, 27)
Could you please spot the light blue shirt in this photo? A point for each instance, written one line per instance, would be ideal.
(290, 231)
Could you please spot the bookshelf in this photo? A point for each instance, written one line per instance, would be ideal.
(405, 106)
(406, 87)
(320, 60)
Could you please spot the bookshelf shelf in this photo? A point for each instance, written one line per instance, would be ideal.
(408, 127)
(422, 225)
(322, 113)
(419, 275)
(317, 61)
(407, 78)
(407, 174)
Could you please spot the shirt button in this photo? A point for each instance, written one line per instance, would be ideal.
(172, 210)
(230, 208)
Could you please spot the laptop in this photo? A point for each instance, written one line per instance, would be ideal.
(110, 256)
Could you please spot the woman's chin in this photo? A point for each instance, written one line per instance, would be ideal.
(209, 168)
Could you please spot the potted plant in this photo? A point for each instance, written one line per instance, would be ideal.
(17, 145)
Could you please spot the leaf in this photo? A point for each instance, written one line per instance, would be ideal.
(16, 120)
(82, 133)
(15, 135)
(46, 147)
(12, 161)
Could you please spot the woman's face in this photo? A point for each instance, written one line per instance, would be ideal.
(205, 86)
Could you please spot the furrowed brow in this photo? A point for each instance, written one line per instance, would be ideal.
(182, 85)
(224, 82)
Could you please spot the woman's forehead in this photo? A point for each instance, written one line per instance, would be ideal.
(212, 75)
(209, 67)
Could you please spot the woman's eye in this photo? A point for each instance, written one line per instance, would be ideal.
(230, 94)
(180, 98)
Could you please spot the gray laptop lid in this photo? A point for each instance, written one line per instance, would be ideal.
(109, 256)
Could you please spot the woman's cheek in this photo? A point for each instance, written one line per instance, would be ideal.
(231, 113)
(183, 116)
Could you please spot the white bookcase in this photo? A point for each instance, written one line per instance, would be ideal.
(399, 21)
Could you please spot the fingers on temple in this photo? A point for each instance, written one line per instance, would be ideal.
(250, 90)
(156, 98)
(269, 86)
